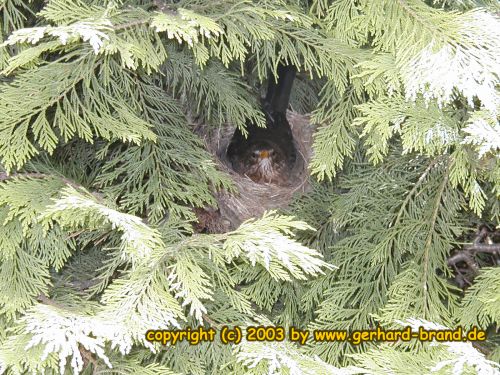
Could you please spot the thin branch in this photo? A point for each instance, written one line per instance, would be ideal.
(428, 242)
(413, 190)
(42, 298)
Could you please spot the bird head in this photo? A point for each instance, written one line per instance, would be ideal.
(261, 154)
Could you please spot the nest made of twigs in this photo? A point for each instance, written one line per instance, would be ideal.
(251, 198)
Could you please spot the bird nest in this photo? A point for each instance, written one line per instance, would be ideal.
(251, 198)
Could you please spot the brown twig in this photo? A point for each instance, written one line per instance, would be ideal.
(42, 298)
(480, 244)
(211, 322)
(88, 358)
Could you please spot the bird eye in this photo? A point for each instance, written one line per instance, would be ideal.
(255, 153)
(271, 152)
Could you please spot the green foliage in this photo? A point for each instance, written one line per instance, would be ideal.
(100, 169)
(213, 93)
(337, 140)
(67, 100)
(29, 250)
(480, 305)
(171, 172)
(440, 358)
(257, 358)
(400, 227)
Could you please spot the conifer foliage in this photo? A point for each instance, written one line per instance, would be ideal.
(101, 168)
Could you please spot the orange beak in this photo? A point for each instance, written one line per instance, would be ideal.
(264, 154)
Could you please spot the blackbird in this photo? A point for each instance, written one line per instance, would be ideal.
(266, 155)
